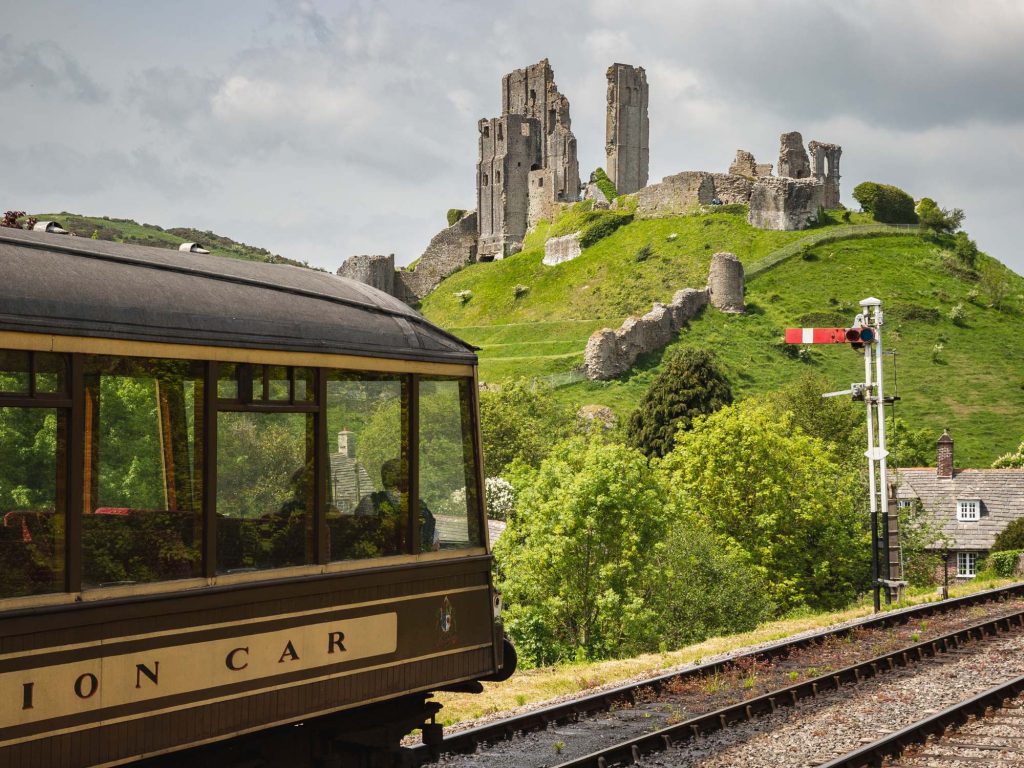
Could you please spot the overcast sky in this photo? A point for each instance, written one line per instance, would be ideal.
(323, 129)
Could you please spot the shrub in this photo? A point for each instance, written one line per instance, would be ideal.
(688, 386)
(501, 498)
(1011, 537)
(464, 296)
(454, 215)
(1004, 563)
(644, 253)
(605, 184)
(966, 250)
(937, 350)
(885, 202)
(520, 290)
(939, 220)
(958, 315)
(602, 226)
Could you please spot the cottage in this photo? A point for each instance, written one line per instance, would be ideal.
(972, 506)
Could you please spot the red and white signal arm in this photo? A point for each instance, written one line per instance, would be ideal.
(829, 335)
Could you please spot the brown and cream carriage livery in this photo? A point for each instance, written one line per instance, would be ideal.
(233, 497)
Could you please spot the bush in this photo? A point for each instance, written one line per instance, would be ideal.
(1004, 563)
(966, 250)
(939, 220)
(463, 296)
(454, 215)
(885, 202)
(521, 421)
(520, 290)
(688, 386)
(605, 184)
(644, 253)
(602, 226)
(958, 315)
(1011, 537)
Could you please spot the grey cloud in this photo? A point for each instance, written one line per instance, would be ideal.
(173, 97)
(45, 67)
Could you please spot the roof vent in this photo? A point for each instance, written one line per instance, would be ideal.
(49, 226)
(192, 248)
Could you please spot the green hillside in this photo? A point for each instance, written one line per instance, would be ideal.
(967, 376)
(128, 231)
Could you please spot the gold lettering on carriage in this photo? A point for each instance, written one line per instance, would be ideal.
(42, 691)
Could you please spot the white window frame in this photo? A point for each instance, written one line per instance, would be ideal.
(904, 503)
(966, 565)
(968, 510)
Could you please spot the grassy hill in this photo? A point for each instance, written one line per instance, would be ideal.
(128, 231)
(967, 376)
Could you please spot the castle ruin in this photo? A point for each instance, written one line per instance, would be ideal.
(527, 171)
(527, 160)
(627, 128)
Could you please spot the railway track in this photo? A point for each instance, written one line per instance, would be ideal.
(630, 699)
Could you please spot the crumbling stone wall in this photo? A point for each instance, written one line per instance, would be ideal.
(744, 164)
(725, 283)
(559, 249)
(542, 206)
(676, 195)
(731, 188)
(610, 353)
(449, 251)
(375, 270)
(627, 128)
(825, 166)
(793, 162)
(784, 203)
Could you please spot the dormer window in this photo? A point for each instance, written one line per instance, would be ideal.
(968, 510)
(904, 503)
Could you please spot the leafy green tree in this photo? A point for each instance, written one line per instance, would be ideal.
(995, 281)
(885, 202)
(939, 220)
(577, 563)
(782, 496)
(688, 386)
(921, 540)
(1011, 537)
(836, 421)
(521, 420)
(965, 249)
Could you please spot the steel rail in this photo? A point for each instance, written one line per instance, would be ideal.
(467, 741)
(895, 744)
(633, 750)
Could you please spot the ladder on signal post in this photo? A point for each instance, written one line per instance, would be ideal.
(866, 335)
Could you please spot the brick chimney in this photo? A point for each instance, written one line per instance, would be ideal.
(944, 456)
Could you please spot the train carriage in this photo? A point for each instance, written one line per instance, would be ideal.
(233, 497)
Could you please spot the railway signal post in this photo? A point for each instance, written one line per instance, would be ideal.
(866, 335)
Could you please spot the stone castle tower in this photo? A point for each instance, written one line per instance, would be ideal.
(527, 160)
(627, 128)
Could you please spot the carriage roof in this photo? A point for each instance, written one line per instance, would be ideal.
(57, 284)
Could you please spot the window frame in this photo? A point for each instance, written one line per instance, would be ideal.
(72, 400)
(964, 511)
(966, 565)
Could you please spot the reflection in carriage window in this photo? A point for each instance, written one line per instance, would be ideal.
(264, 490)
(32, 497)
(142, 516)
(367, 498)
(448, 484)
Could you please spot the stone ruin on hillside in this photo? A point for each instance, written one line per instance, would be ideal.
(527, 170)
(610, 353)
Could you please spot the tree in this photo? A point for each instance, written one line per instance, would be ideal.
(836, 421)
(909, 447)
(994, 281)
(780, 494)
(577, 563)
(688, 386)
(921, 543)
(521, 420)
(885, 202)
(1013, 460)
(1011, 537)
(965, 249)
(939, 220)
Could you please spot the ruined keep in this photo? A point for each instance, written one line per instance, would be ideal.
(825, 166)
(745, 165)
(527, 160)
(627, 128)
(793, 162)
(785, 204)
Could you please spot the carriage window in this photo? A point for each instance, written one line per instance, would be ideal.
(447, 473)
(275, 384)
(14, 371)
(142, 516)
(32, 498)
(264, 490)
(367, 445)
